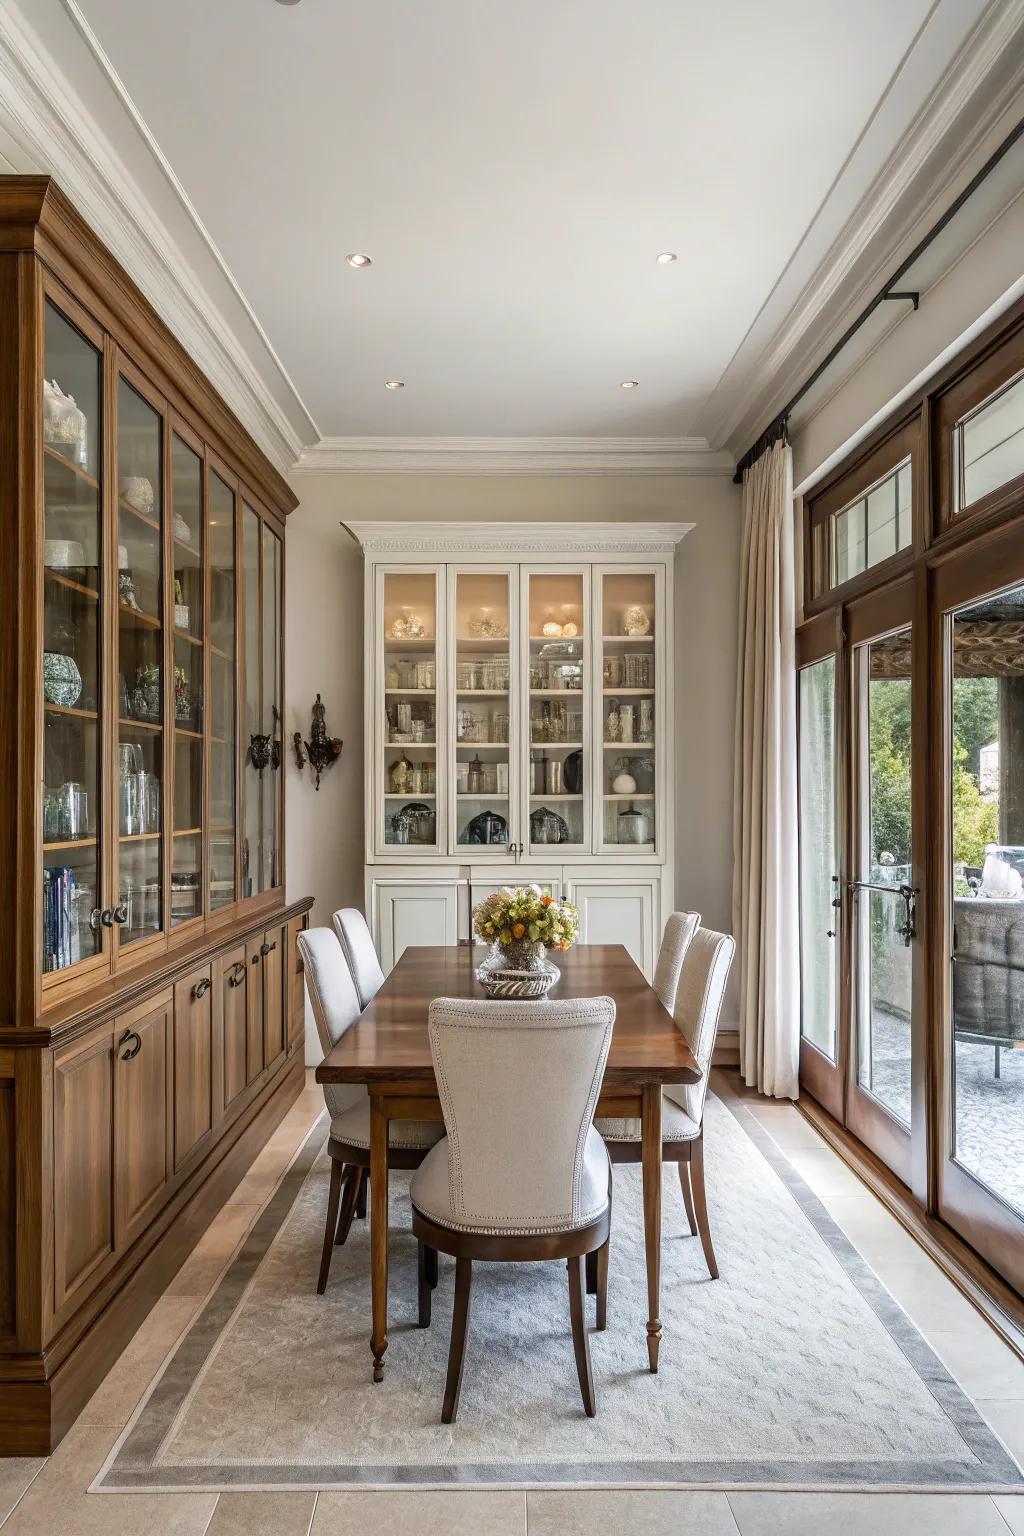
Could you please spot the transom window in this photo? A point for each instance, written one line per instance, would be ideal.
(872, 528)
(988, 444)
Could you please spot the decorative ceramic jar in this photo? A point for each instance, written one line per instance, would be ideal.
(636, 620)
(546, 826)
(64, 425)
(634, 826)
(62, 681)
(623, 783)
(137, 491)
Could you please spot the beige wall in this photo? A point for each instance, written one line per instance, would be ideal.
(326, 636)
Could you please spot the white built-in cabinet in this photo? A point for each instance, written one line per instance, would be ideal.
(518, 725)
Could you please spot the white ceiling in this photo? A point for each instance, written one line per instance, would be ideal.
(513, 170)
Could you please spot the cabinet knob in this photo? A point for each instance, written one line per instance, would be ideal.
(256, 959)
(107, 917)
(120, 914)
(266, 948)
(201, 988)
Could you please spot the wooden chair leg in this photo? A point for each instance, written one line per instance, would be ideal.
(432, 1268)
(592, 1273)
(333, 1198)
(364, 1187)
(580, 1339)
(700, 1202)
(348, 1205)
(684, 1184)
(423, 1286)
(457, 1347)
(603, 1252)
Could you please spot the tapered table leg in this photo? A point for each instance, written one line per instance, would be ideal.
(379, 1231)
(651, 1152)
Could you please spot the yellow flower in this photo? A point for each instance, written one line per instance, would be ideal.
(518, 929)
(505, 936)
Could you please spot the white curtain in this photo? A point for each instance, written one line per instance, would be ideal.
(765, 894)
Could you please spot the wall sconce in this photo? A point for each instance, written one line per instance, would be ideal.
(321, 750)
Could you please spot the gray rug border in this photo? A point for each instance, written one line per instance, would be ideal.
(129, 1466)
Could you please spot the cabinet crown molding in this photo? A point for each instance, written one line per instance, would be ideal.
(575, 541)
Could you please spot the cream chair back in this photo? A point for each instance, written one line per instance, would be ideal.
(679, 930)
(699, 999)
(518, 1084)
(332, 994)
(354, 936)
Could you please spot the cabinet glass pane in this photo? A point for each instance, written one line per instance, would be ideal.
(72, 692)
(253, 698)
(271, 669)
(482, 676)
(140, 619)
(986, 811)
(410, 709)
(220, 554)
(187, 549)
(628, 710)
(559, 727)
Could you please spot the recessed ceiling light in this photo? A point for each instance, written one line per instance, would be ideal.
(287, 2)
(664, 258)
(630, 384)
(357, 259)
(394, 383)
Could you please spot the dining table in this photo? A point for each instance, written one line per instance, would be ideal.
(388, 1050)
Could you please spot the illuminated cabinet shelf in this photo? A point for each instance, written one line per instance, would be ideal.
(518, 714)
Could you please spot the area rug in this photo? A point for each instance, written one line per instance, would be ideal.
(795, 1370)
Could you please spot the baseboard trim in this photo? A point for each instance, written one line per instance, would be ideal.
(35, 1415)
(999, 1304)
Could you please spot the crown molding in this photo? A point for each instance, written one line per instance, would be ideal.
(940, 149)
(581, 540)
(513, 456)
(42, 117)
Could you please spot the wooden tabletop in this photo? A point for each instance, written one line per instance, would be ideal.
(388, 1043)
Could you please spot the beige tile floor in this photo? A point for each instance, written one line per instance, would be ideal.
(48, 1498)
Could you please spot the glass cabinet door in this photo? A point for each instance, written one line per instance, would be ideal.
(72, 678)
(408, 764)
(220, 554)
(189, 715)
(628, 612)
(262, 572)
(558, 721)
(140, 667)
(481, 769)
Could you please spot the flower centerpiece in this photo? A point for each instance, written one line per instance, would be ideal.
(520, 924)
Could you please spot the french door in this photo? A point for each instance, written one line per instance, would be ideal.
(859, 878)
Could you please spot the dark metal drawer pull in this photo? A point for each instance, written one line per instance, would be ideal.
(266, 948)
(201, 988)
(130, 1055)
(237, 975)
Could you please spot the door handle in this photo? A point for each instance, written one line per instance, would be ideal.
(201, 988)
(908, 895)
(130, 1055)
(837, 903)
(237, 974)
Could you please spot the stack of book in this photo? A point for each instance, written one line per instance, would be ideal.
(59, 946)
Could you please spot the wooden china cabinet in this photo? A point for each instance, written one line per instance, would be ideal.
(150, 995)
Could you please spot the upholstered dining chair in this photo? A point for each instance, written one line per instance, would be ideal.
(354, 936)
(698, 1005)
(521, 1174)
(675, 941)
(332, 993)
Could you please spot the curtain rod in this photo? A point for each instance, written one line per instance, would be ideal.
(778, 425)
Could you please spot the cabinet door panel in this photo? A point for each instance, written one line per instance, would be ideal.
(414, 914)
(618, 913)
(234, 1024)
(142, 1115)
(271, 953)
(253, 1010)
(83, 1167)
(295, 986)
(193, 1062)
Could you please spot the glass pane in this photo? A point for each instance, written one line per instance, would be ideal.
(987, 815)
(991, 444)
(882, 968)
(187, 548)
(559, 728)
(818, 858)
(252, 841)
(71, 646)
(627, 710)
(874, 527)
(410, 709)
(270, 778)
(220, 553)
(140, 663)
(482, 664)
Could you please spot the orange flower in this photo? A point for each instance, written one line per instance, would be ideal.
(518, 929)
(546, 901)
